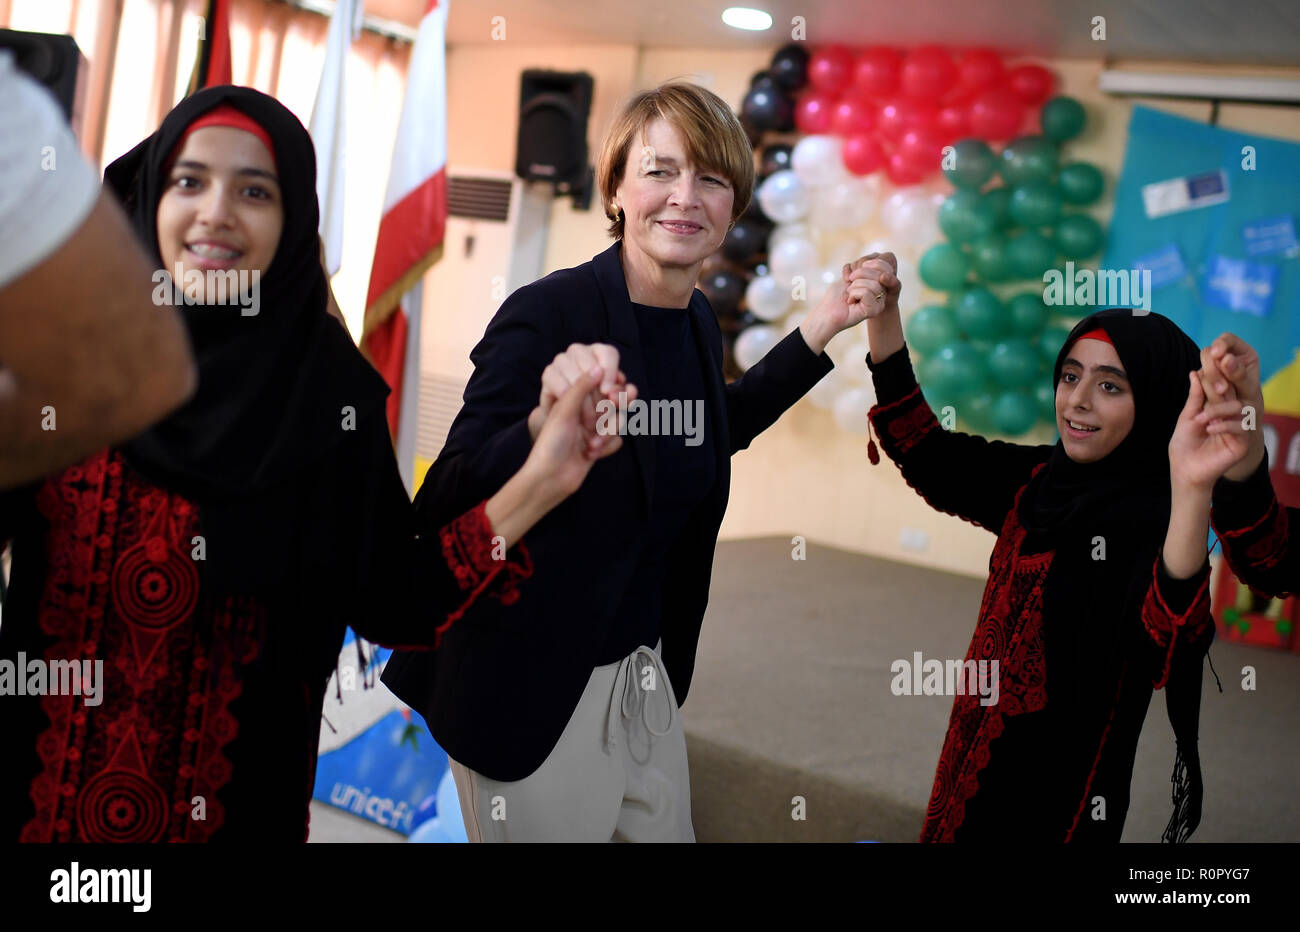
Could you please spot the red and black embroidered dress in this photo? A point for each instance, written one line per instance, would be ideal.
(1255, 532)
(1080, 642)
(210, 704)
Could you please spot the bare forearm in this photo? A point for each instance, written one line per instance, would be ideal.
(90, 359)
(1189, 527)
(521, 503)
(885, 334)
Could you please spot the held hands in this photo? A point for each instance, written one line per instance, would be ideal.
(1198, 456)
(1230, 381)
(568, 367)
(567, 442)
(868, 288)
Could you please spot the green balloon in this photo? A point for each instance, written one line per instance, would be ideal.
(1081, 183)
(1078, 236)
(965, 216)
(1014, 412)
(976, 410)
(999, 201)
(1050, 343)
(1014, 363)
(980, 314)
(1027, 159)
(1028, 314)
(1045, 397)
(1031, 254)
(944, 267)
(989, 257)
(1062, 118)
(1035, 205)
(931, 327)
(954, 368)
(973, 163)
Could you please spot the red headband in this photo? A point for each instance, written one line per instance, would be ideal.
(1096, 334)
(226, 115)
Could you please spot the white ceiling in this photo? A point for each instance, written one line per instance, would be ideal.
(1263, 32)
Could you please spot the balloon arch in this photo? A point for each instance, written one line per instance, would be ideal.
(952, 160)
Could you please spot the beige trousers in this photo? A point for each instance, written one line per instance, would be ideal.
(618, 772)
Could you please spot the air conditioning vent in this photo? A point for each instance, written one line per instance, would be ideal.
(478, 198)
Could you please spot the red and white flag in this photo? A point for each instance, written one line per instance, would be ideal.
(410, 232)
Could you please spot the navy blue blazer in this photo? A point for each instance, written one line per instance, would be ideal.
(500, 691)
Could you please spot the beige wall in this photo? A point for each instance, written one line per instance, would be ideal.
(804, 476)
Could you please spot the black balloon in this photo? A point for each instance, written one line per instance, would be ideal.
(789, 67)
(775, 158)
(767, 109)
(753, 133)
(745, 241)
(724, 289)
(754, 214)
(765, 79)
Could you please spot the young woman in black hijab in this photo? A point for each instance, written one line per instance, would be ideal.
(213, 563)
(1097, 590)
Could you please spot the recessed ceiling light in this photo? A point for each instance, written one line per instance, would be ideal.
(743, 17)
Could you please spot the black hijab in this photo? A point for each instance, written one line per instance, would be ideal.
(274, 388)
(1124, 497)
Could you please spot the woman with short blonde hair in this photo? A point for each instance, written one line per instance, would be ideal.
(560, 716)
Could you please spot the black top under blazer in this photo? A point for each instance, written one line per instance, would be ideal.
(500, 691)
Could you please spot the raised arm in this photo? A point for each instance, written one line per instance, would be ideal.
(958, 474)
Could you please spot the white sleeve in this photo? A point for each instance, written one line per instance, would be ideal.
(47, 187)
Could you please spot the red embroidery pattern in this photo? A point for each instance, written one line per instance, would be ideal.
(467, 545)
(1010, 630)
(1270, 535)
(1167, 628)
(910, 426)
(121, 588)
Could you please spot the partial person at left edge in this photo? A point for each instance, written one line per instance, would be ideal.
(86, 358)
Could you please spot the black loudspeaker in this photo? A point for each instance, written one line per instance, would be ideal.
(553, 110)
(54, 61)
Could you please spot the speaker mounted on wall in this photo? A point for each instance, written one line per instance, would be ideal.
(554, 107)
(54, 61)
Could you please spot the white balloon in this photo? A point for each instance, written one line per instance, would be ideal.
(823, 394)
(843, 205)
(912, 216)
(792, 321)
(785, 231)
(841, 252)
(753, 344)
(793, 258)
(783, 197)
(766, 299)
(851, 408)
(854, 365)
(818, 160)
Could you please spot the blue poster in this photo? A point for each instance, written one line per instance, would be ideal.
(1259, 301)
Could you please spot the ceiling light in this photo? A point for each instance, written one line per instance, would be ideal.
(743, 17)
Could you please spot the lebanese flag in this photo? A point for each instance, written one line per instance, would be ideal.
(410, 231)
(212, 65)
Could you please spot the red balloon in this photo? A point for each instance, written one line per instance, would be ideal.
(862, 154)
(921, 150)
(829, 68)
(953, 120)
(1031, 83)
(928, 72)
(900, 172)
(853, 114)
(897, 115)
(996, 113)
(876, 71)
(978, 69)
(812, 114)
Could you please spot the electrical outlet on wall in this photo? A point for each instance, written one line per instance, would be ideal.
(913, 539)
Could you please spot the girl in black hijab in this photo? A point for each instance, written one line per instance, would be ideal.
(207, 570)
(1098, 583)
